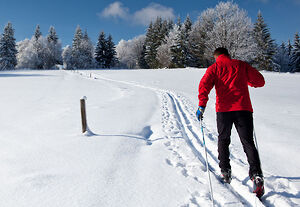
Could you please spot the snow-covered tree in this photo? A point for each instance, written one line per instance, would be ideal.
(87, 49)
(179, 23)
(186, 31)
(129, 52)
(163, 55)
(76, 49)
(82, 50)
(227, 26)
(37, 33)
(289, 48)
(138, 49)
(8, 49)
(155, 35)
(124, 54)
(31, 56)
(265, 45)
(177, 47)
(281, 59)
(40, 52)
(295, 56)
(52, 36)
(26, 54)
(67, 57)
(151, 47)
(39, 49)
(196, 46)
(53, 50)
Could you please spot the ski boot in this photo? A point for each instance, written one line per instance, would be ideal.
(226, 176)
(258, 185)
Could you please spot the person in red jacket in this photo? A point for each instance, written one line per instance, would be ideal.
(231, 79)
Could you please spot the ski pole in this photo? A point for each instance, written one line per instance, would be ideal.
(206, 160)
(255, 139)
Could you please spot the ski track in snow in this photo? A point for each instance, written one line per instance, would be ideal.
(179, 124)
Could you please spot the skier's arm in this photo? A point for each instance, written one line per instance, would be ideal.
(206, 84)
(255, 78)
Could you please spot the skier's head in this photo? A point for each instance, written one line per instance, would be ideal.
(221, 51)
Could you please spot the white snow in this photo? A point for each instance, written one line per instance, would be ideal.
(144, 144)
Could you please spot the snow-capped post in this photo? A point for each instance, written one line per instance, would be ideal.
(83, 114)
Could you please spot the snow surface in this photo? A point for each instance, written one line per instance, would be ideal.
(144, 146)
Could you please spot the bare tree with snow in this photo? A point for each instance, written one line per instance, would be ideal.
(129, 52)
(227, 26)
(67, 57)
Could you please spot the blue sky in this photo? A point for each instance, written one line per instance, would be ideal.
(127, 19)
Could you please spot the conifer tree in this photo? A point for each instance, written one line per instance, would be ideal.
(179, 24)
(177, 48)
(53, 52)
(38, 48)
(110, 54)
(37, 33)
(164, 54)
(170, 25)
(186, 30)
(295, 57)
(290, 48)
(87, 51)
(196, 46)
(142, 60)
(76, 61)
(281, 59)
(150, 47)
(265, 45)
(77, 39)
(52, 36)
(155, 36)
(100, 50)
(187, 26)
(8, 49)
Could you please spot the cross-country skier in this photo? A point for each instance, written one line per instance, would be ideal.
(231, 78)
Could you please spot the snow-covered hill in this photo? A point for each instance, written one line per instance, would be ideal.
(146, 149)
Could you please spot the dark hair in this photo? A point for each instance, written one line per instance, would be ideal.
(221, 51)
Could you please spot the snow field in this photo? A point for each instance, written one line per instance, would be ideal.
(241, 183)
(147, 145)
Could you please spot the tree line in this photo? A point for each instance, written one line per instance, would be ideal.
(165, 45)
(185, 44)
(41, 52)
(83, 55)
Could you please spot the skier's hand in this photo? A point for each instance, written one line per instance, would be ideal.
(200, 112)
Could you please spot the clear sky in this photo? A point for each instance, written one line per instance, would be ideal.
(127, 19)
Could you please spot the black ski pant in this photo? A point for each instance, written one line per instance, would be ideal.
(243, 122)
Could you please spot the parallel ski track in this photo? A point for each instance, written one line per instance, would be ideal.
(190, 132)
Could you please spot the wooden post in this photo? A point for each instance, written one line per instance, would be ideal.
(83, 115)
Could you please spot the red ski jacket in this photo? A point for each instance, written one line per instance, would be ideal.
(231, 79)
